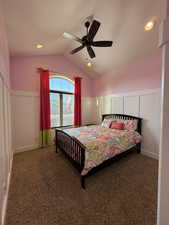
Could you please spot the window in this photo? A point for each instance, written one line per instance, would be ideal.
(61, 101)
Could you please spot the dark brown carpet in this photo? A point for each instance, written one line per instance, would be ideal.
(45, 190)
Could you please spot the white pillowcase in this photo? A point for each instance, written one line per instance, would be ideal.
(106, 122)
(130, 125)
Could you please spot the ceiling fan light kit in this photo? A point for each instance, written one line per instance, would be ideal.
(88, 40)
(89, 64)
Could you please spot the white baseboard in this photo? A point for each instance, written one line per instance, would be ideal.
(26, 148)
(150, 154)
(4, 206)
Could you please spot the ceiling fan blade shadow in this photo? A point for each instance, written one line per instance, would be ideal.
(102, 43)
(93, 30)
(91, 52)
(77, 49)
(72, 37)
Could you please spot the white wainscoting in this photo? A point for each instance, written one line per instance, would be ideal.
(87, 103)
(5, 146)
(25, 119)
(150, 106)
(131, 105)
(145, 104)
(117, 104)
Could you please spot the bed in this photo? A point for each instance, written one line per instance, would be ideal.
(91, 148)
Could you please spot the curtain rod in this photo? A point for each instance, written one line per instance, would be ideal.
(51, 71)
(59, 73)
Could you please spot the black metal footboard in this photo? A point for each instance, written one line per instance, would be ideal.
(72, 148)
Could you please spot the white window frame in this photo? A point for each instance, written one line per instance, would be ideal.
(61, 97)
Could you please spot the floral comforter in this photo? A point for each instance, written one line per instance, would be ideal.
(103, 143)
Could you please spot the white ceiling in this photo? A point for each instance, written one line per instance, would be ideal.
(39, 21)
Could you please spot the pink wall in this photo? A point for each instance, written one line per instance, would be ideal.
(4, 53)
(142, 74)
(24, 74)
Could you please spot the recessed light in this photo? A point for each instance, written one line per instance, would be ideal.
(149, 25)
(39, 46)
(89, 64)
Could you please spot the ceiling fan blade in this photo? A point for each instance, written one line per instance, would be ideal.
(102, 43)
(93, 30)
(77, 49)
(91, 52)
(72, 37)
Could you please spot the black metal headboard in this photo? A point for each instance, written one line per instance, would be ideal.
(125, 117)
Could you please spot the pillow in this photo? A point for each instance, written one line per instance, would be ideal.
(130, 125)
(106, 122)
(117, 125)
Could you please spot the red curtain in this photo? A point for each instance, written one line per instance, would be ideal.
(44, 107)
(77, 104)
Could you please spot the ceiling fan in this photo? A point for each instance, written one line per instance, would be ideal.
(88, 40)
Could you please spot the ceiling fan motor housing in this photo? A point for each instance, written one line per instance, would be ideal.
(87, 24)
(87, 40)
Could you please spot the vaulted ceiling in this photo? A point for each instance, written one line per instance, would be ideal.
(39, 21)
